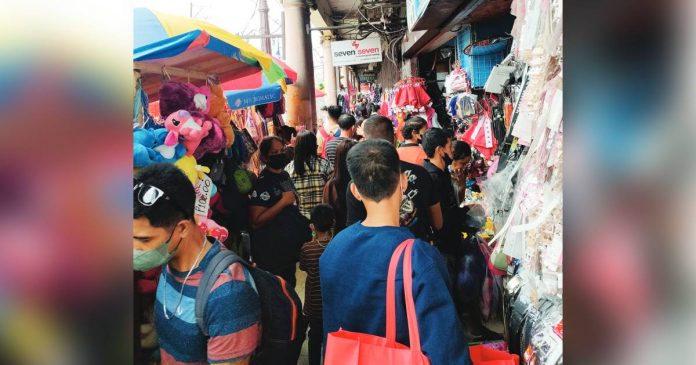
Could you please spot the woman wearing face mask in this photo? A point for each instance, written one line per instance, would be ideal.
(278, 228)
(411, 150)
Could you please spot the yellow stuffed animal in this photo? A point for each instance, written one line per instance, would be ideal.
(191, 168)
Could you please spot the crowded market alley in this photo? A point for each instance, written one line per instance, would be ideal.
(348, 182)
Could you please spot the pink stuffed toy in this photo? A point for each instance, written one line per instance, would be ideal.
(182, 124)
(211, 228)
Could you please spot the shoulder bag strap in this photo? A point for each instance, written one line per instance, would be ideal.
(391, 293)
(413, 335)
(217, 265)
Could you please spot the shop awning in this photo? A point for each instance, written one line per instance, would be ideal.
(242, 98)
(190, 50)
(256, 89)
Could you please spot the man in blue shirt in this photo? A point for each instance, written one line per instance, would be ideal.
(353, 269)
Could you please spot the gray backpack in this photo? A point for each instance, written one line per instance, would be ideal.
(282, 322)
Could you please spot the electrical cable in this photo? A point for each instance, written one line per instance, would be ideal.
(250, 19)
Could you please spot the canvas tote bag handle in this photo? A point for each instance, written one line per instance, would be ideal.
(414, 336)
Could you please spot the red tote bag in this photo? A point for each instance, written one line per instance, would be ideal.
(352, 348)
(481, 355)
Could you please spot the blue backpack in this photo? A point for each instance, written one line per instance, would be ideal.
(282, 323)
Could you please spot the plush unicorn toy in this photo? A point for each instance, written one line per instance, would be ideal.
(182, 124)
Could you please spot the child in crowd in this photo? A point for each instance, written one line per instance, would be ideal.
(322, 222)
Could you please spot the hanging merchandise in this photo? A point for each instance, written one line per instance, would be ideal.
(480, 134)
(141, 113)
(219, 109)
(149, 147)
(410, 95)
(457, 81)
(485, 55)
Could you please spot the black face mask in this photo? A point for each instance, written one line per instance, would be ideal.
(278, 161)
(447, 159)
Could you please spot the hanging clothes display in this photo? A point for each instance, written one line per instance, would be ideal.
(410, 95)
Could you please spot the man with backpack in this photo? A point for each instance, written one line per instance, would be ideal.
(354, 266)
(329, 130)
(210, 306)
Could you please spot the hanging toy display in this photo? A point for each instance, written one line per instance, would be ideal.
(182, 124)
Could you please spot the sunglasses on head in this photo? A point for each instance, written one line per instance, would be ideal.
(148, 194)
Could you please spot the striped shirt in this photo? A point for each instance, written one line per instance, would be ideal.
(331, 147)
(309, 262)
(232, 316)
(310, 185)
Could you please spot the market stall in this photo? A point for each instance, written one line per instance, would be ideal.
(515, 125)
(184, 66)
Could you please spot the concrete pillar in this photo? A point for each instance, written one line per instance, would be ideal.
(344, 76)
(312, 83)
(329, 74)
(299, 56)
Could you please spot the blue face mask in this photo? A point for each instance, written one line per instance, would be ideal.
(146, 260)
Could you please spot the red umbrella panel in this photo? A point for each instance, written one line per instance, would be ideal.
(255, 80)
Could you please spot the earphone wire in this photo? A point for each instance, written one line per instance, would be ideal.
(183, 284)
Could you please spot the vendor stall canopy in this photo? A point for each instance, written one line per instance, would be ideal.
(256, 89)
(188, 49)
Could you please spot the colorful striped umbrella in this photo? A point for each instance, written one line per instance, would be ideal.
(190, 50)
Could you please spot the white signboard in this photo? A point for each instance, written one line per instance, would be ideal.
(355, 52)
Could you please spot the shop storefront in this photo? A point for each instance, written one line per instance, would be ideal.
(500, 80)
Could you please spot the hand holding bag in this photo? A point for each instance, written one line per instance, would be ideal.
(352, 348)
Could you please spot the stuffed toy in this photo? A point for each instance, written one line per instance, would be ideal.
(169, 153)
(191, 169)
(211, 228)
(201, 98)
(175, 96)
(149, 148)
(214, 142)
(219, 110)
(182, 124)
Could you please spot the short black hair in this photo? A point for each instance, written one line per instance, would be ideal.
(267, 143)
(346, 121)
(379, 127)
(334, 111)
(374, 167)
(413, 124)
(432, 139)
(165, 213)
(322, 217)
(361, 111)
(286, 133)
(460, 150)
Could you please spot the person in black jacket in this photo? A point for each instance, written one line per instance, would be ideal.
(438, 147)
